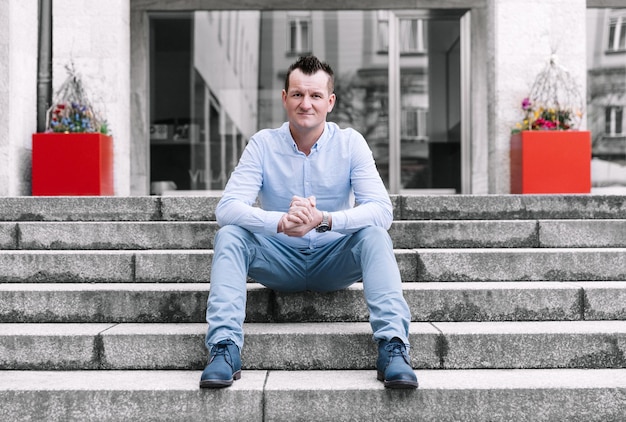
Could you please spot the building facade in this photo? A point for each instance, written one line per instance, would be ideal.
(435, 86)
(606, 94)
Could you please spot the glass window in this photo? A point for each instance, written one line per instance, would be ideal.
(383, 30)
(612, 34)
(613, 121)
(216, 78)
(299, 35)
(617, 33)
(412, 36)
(414, 123)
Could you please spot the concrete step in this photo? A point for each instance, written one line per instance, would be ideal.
(166, 266)
(116, 266)
(558, 264)
(405, 234)
(510, 207)
(86, 208)
(406, 207)
(601, 233)
(443, 395)
(436, 301)
(313, 346)
(107, 235)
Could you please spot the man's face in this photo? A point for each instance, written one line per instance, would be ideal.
(308, 100)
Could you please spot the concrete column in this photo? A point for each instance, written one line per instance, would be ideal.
(481, 43)
(18, 93)
(96, 37)
(525, 33)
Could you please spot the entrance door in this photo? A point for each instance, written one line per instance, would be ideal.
(425, 106)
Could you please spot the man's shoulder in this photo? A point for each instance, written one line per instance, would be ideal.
(270, 134)
(347, 134)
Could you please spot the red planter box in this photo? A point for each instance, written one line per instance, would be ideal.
(68, 164)
(551, 162)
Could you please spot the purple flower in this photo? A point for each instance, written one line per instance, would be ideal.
(526, 104)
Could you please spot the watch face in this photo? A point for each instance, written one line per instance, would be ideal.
(322, 228)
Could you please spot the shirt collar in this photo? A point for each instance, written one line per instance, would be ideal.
(323, 139)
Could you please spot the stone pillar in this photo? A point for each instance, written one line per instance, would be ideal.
(96, 37)
(18, 93)
(525, 33)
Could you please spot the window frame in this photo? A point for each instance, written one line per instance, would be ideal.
(614, 121)
(617, 34)
(300, 46)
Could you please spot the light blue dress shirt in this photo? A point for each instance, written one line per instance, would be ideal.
(340, 172)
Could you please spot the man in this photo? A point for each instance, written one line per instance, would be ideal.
(306, 234)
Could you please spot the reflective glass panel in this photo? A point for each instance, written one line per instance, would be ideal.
(216, 78)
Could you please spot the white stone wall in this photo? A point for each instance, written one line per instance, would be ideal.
(18, 93)
(526, 32)
(95, 35)
(4, 95)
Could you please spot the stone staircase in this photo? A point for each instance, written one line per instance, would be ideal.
(518, 302)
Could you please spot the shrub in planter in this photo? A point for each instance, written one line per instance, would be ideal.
(74, 156)
(548, 154)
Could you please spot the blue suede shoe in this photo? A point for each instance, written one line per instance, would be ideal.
(224, 366)
(394, 366)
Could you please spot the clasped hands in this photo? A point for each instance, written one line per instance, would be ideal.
(301, 218)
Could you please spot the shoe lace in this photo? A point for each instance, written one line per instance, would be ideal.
(395, 348)
(219, 349)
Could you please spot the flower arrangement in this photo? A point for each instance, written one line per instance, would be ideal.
(554, 102)
(71, 111)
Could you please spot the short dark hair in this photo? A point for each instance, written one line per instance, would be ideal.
(310, 65)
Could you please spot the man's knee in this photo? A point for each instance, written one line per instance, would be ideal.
(231, 233)
(376, 236)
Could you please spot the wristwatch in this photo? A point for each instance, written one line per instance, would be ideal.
(323, 227)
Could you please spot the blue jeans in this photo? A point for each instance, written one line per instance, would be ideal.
(365, 255)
